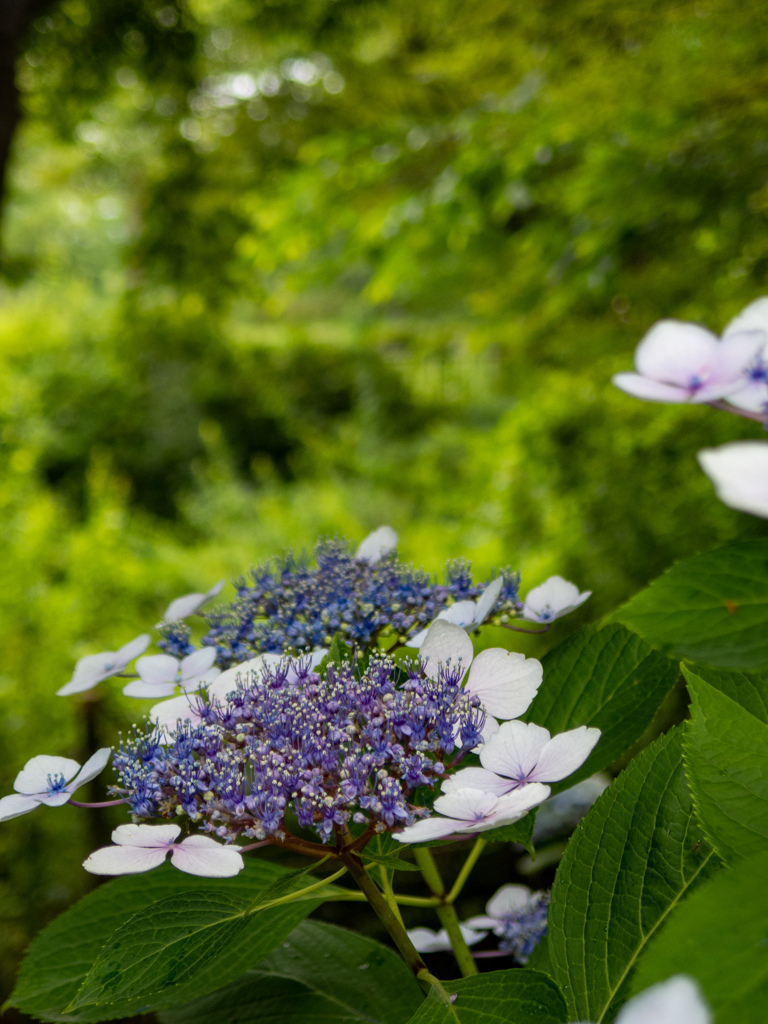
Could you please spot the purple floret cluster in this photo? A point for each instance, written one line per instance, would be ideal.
(355, 745)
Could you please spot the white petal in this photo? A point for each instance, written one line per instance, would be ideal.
(563, 754)
(477, 778)
(507, 899)
(168, 712)
(55, 799)
(460, 613)
(515, 805)
(753, 397)
(143, 690)
(149, 836)
(15, 804)
(505, 682)
(553, 598)
(197, 663)
(514, 750)
(200, 682)
(201, 855)
(89, 671)
(418, 639)
(753, 317)
(121, 860)
(445, 643)
(95, 764)
(739, 472)
(674, 352)
(466, 805)
(426, 830)
(678, 1000)
(157, 669)
(190, 603)
(33, 777)
(132, 650)
(487, 600)
(239, 676)
(649, 390)
(425, 940)
(376, 545)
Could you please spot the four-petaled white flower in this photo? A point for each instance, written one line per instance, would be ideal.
(505, 682)
(425, 940)
(678, 1000)
(190, 604)
(143, 847)
(473, 810)
(377, 545)
(50, 780)
(504, 902)
(94, 667)
(739, 472)
(683, 362)
(467, 614)
(753, 318)
(552, 599)
(521, 754)
(161, 673)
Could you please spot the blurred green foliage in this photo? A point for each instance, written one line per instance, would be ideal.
(273, 269)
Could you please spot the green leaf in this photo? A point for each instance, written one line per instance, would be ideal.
(607, 678)
(726, 760)
(386, 853)
(720, 936)
(635, 856)
(339, 652)
(62, 955)
(521, 996)
(711, 608)
(320, 973)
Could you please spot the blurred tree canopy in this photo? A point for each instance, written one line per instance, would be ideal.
(275, 268)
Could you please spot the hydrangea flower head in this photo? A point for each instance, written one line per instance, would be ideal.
(50, 780)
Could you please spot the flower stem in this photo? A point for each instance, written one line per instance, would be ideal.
(389, 895)
(302, 892)
(445, 910)
(463, 875)
(103, 803)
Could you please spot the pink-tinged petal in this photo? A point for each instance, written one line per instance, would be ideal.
(649, 390)
(200, 855)
(739, 472)
(676, 352)
(514, 750)
(736, 353)
(487, 600)
(158, 668)
(753, 397)
(376, 545)
(132, 650)
(426, 830)
(445, 644)
(169, 712)
(33, 777)
(152, 691)
(515, 805)
(679, 1000)
(190, 603)
(89, 671)
(122, 860)
(461, 613)
(15, 804)
(563, 754)
(507, 899)
(477, 778)
(753, 317)
(505, 682)
(197, 663)
(94, 766)
(149, 836)
(466, 805)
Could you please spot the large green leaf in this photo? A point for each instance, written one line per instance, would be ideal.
(726, 759)
(720, 936)
(710, 608)
(518, 996)
(635, 856)
(61, 956)
(608, 678)
(320, 974)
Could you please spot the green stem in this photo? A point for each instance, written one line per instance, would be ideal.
(463, 875)
(389, 896)
(348, 895)
(301, 892)
(445, 911)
